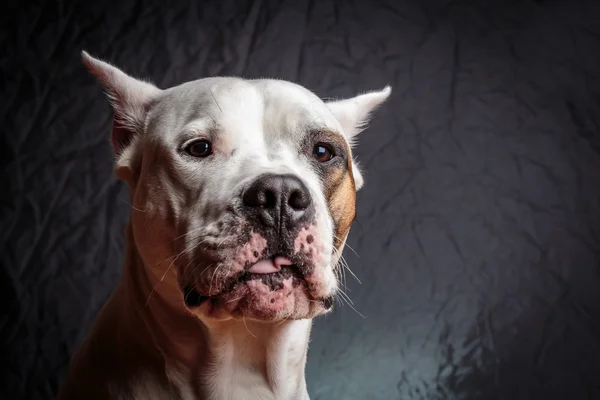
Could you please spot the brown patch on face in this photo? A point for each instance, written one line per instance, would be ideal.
(340, 193)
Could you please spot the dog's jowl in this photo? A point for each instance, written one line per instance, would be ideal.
(243, 193)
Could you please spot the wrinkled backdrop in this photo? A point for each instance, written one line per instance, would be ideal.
(478, 235)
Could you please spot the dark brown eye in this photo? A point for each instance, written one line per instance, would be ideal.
(322, 153)
(199, 148)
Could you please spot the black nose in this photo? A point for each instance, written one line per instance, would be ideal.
(278, 200)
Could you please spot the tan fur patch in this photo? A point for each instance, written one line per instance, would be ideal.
(340, 193)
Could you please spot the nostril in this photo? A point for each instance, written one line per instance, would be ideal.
(261, 200)
(260, 196)
(299, 200)
(270, 199)
(253, 197)
(276, 198)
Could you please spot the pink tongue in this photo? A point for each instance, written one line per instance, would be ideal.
(269, 266)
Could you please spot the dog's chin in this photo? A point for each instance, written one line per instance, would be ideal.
(277, 296)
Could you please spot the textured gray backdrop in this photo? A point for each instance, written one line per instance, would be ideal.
(478, 234)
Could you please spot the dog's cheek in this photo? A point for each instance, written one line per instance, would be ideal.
(252, 249)
(154, 241)
(309, 244)
(341, 202)
(249, 249)
(153, 217)
(313, 249)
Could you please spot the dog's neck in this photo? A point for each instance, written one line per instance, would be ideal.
(224, 359)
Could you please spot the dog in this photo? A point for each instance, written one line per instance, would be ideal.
(242, 194)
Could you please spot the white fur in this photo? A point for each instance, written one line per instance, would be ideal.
(353, 115)
(255, 126)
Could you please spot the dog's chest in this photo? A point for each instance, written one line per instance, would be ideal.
(241, 384)
(241, 373)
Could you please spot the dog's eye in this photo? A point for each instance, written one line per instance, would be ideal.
(199, 148)
(322, 153)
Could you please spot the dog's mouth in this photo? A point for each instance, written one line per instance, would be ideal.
(272, 272)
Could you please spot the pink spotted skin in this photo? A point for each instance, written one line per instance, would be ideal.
(285, 294)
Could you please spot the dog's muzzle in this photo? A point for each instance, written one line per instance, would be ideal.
(278, 202)
(277, 266)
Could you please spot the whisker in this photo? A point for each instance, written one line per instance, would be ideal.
(213, 277)
(350, 304)
(346, 245)
(131, 205)
(187, 233)
(236, 299)
(187, 293)
(222, 242)
(163, 277)
(204, 270)
(182, 252)
(347, 267)
(207, 113)
(344, 264)
(188, 265)
(244, 320)
(185, 250)
(216, 102)
(343, 269)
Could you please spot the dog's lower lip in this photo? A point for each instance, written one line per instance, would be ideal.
(328, 303)
(291, 267)
(193, 298)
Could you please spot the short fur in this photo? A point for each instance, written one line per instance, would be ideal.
(186, 321)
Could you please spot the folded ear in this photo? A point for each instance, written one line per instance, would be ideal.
(354, 113)
(129, 97)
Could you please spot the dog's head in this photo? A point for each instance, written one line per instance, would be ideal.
(243, 191)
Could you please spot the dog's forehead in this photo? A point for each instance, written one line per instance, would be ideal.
(240, 109)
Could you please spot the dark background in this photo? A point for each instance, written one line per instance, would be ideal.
(478, 227)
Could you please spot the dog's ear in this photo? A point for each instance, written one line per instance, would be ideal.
(353, 114)
(129, 97)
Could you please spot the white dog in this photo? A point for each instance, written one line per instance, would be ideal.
(242, 194)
